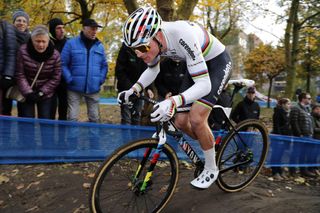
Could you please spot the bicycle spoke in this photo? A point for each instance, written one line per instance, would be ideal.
(120, 191)
(242, 155)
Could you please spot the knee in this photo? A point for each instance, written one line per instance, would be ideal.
(198, 123)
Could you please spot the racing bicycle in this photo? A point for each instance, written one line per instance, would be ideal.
(142, 175)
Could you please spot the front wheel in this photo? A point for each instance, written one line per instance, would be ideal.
(242, 155)
(119, 184)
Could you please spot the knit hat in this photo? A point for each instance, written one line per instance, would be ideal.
(19, 13)
(52, 26)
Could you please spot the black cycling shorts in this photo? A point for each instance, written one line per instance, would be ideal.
(219, 69)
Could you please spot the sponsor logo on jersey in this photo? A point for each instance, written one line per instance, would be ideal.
(226, 71)
(187, 48)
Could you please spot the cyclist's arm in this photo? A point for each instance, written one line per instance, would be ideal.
(198, 70)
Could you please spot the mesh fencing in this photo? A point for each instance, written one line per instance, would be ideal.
(26, 141)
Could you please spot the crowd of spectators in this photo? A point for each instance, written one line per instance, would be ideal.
(52, 72)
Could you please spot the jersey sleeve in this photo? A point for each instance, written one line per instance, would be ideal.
(197, 69)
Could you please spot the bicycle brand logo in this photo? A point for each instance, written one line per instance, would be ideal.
(187, 148)
(187, 48)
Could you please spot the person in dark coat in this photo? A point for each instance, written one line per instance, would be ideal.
(30, 56)
(316, 135)
(301, 124)
(8, 49)
(58, 38)
(246, 109)
(128, 70)
(281, 126)
(169, 80)
(20, 21)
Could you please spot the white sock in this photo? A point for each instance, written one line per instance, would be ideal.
(210, 159)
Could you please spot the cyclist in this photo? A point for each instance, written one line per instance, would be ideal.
(209, 68)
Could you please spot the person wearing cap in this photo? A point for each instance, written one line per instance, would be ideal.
(58, 38)
(30, 56)
(8, 50)
(84, 68)
(247, 108)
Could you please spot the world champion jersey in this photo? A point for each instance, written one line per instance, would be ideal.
(189, 42)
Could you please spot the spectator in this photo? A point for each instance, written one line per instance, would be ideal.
(301, 123)
(58, 38)
(248, 108)
(169, 80)
(30, 56)
(20, 22)
(316, 135)
(8, 50)
(281, 126)
(84, 69)
(128, 70)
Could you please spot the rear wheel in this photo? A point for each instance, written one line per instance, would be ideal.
(118, 188)
(242, 155)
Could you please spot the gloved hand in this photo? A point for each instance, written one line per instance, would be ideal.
(6, 82)
(33, 97)
(163, 111)
(123, 97)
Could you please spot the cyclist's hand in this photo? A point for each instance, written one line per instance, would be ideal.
(124, 96)
(163, 111)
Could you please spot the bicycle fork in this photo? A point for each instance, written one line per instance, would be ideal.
(162, 140)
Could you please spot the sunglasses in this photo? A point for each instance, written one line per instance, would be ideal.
(144, 48)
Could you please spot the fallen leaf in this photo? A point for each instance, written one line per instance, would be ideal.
(79, 210)
(288, 187)
(3, 179)
(86, 185)
(1, 202)
(270, 178)
(76, 172)
(270, 193)
(20, 186)
(15, 172)
(40, 174)
(300, 180)
(32, 184)
(91, 175)
(32, 209)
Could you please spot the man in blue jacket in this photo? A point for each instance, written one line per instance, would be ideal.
(84, 68)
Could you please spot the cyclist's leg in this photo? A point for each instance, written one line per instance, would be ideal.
(219, 72)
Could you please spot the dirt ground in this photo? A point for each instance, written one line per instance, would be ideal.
(64, 188)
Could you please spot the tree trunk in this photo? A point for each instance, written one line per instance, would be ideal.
(186, 8)
(84, 9)
(289, 48)
(269, 90)
(131, 5)
(165, 9)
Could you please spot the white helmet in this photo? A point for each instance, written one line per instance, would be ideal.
(141, 26)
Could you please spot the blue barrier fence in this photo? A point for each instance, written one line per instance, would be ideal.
(25, 141)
